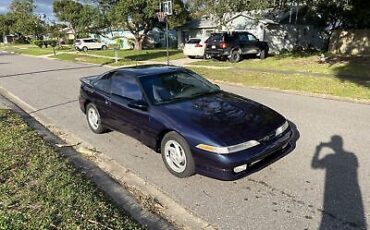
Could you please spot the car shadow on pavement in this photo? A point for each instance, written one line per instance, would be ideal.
(342, 206)
(50, 70)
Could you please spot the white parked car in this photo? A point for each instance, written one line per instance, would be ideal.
(86, 44)
(195, 47)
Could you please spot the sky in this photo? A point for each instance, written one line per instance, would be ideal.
(42, 7)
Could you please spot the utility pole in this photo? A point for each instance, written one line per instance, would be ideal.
(165, 10)
(168, 53)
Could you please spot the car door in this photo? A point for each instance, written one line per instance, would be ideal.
(96, 44)
(243, 42)
(100, 93)
(253, 44)
(131, 121)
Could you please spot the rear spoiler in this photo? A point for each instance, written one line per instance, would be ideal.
(89, 79)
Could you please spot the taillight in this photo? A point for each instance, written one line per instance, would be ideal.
(198, 45)
(222, 45)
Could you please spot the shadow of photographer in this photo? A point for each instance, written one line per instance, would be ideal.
(342, 205)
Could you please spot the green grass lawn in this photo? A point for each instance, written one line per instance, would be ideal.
(356, 66)
(90, 59)
(310, 84)
(32, 50)
(40, 190)
(141, 55)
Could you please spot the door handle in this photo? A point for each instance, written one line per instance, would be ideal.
(107, 102)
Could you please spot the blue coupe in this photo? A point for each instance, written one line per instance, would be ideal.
(197, 127)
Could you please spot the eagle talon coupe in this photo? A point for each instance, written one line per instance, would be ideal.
(197, 127)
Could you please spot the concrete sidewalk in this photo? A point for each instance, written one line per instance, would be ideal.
(289, 194)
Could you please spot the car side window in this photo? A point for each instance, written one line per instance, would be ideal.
(243, 38)
(104, 83)
(126, 87)
(251, 37)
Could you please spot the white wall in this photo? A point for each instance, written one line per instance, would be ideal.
(288, 36)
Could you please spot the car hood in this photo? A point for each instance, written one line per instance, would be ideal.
(226, 118)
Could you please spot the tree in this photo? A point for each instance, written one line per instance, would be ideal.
(24, 19)
(341, 14)
(139, 17)
(221, 9)
(6, 21)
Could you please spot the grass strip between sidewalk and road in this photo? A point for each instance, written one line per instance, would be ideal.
(91, 59)
(141, 55)
(334, 65)
(34, 50)
(39, 189)
(294, 82)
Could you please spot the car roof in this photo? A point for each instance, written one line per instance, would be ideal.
(145, 70)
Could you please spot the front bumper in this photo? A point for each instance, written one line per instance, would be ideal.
(82, 102)
(222, 166)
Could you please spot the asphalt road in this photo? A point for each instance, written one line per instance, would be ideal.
(300, 191)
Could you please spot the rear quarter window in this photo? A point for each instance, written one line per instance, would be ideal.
(125, 87)
(193, 41)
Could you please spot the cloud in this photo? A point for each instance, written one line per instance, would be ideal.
(42, 7)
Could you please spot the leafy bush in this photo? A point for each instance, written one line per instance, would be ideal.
(38, 43)
(52, 43)
(69, 42)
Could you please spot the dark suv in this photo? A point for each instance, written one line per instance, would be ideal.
(233, 45)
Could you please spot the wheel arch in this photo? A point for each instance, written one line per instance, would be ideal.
(160, 138)
(87, 101)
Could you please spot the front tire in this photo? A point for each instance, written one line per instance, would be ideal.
(177, 156)
(85, 49)
(93, 119)
(104, 47)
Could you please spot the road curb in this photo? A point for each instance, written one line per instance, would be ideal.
(160, 209)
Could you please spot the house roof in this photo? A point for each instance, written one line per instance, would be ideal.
(201, 23)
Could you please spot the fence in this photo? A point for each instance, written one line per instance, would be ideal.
(350, 42)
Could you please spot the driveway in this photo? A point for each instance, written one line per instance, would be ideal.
(316, 186)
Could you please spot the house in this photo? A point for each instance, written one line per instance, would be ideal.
(156, 38)
(282, 30)
(68, 34)
(8, 39)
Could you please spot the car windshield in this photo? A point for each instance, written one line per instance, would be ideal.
(175, 86)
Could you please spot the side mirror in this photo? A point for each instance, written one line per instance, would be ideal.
(139, 104)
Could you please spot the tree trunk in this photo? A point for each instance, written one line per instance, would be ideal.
(139, 43)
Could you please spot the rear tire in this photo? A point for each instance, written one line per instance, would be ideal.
(235, 56)
(104, 47)
(207, 56)
(177, 156)
(94, 120)
(263, 54)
